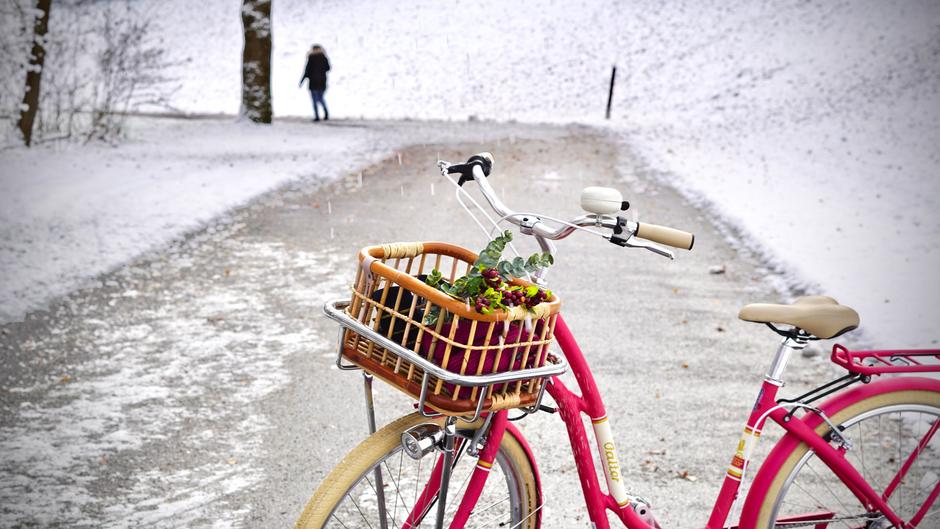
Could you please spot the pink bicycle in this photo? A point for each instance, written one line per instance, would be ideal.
(858, 451)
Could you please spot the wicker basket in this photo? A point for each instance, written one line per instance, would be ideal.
(391, 299)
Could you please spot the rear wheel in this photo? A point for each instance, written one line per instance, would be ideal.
(348, 496)
(888, 432)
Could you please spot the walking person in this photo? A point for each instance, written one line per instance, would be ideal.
(315, 73)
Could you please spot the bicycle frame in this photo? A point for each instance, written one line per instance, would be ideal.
(571, 407)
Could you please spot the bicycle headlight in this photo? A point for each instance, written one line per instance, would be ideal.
(421, 440)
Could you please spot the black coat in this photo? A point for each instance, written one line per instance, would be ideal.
(317, 66)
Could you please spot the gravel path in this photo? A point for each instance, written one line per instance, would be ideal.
(195, 387)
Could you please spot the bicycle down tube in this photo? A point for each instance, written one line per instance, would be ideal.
(570, 407)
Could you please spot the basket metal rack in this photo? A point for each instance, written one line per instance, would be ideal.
(336, 311)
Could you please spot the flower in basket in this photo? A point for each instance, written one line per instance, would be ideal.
(487, 288)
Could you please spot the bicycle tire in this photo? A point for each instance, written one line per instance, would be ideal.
(786, 468)
(359, 464)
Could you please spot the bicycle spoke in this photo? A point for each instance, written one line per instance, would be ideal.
(427, 509)
(861, 450)
(397, 488)
(517, 524)
(375, 490)
(364, 519)
(894, 441)
(828, 488)
(490, 506)
(338, 520)
(460, 490)
(900, 463)
(808, 495)
(417, 482)
(931, 513)
(881, 436)
(401, 456)
(801, 506)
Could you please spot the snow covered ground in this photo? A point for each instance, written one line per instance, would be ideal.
(69, 212)
(810, 127)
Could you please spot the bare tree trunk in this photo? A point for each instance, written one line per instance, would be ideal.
(256, 61)
(37, 58)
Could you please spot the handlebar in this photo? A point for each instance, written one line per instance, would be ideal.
(625, 232)
(665, 235)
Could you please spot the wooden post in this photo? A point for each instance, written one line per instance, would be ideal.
(610, 94)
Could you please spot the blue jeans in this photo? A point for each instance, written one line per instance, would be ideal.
(317, 97)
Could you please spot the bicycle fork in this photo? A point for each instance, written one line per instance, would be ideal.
(450, 431)
(448, 442)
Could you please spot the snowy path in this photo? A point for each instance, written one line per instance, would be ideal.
(68, 213)
(193, 387)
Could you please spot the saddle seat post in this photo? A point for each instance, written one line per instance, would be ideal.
(782, 357)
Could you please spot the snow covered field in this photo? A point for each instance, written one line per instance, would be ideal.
(812, 128)
(70, 212)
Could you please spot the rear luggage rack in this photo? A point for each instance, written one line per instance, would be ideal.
(870, 363)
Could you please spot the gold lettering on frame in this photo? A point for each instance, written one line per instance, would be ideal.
(613, 466)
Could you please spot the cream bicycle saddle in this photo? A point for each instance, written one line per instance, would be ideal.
(820, 316)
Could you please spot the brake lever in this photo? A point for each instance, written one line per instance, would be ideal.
(624, 236)
(633, 242)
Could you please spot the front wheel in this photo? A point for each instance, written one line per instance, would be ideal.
(348, 496)
(894, 449)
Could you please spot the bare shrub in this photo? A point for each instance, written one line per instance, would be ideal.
(103, 62)
(16, 31)
(131, 70)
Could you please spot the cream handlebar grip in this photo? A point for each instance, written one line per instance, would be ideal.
(664, 235)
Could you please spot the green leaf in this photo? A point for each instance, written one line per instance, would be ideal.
(505, 270)
(493, 250)
(434, 278)
(488, 259)
(433, 314)
(501, 241)
(537, 261)
(473, 286)
(531, 291)
(533, 263)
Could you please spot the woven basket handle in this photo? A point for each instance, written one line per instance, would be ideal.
(394, 250)
(398, 250)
